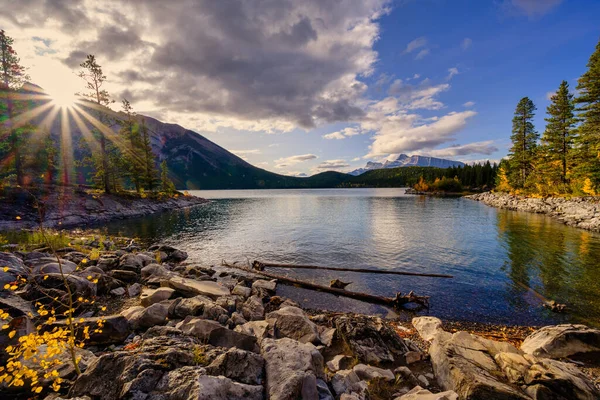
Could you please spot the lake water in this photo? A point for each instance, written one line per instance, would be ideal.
(491, 253)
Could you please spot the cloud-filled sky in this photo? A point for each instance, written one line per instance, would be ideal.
(303, 86)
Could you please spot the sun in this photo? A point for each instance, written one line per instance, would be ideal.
(63, 99)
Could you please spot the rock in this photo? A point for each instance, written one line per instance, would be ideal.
(423, 380)
(418, 393)
(264, 288)
(237, 319)
(412, 357)
(239, 365)
(155, 270)
(124, 275)
(229, 303)
(151, 296)
(190, 287)
(326, 335)
(107, 263)
(193, 383)
(407, 375)
(64, 363)
(134, 290)
(243, 291)
(80, 285)
(292, 369)
(258, 329)
(213, 333)
(367, 372)
(16, 268)
(197, 306)
(49, 265)
(292, 322)
(115, 329)
(253, 309)
(346, 381)
(146, 259)
(562, 341)
(120, 291)
(339, 362)
(370, 339)
(143, 318)
(131, 262)
(427, 327)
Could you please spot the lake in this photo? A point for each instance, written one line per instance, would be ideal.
(491, 253)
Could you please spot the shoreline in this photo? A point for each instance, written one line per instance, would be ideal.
(71, 207)
(579, 212)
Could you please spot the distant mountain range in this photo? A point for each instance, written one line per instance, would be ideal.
(404, 160)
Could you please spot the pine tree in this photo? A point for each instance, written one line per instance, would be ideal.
(149, 171)
(559, 135)
(13, 77)
(588, 101)
(166, 184)
(133, 155)
(524, 138)
(94, 78)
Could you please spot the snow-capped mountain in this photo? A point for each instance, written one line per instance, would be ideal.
(404, 160)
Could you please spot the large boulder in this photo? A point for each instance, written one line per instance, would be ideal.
(368, 372)
(14, 267)
(253, 309)
(428, 327)
(131, 262)
(111, 329)
(198, 306)
(239, 365)
(80, 285)
(346, 381)
(371, 340)
(292, 322)
(215, 334)
(140, 317)
(562, 341)
(155, 271)
(258, 329)
(418, 393)
(190, 287)
(293, 369)
(189, 383)
(151, 296)
(50, 265)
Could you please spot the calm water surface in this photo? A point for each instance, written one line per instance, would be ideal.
(490, 252)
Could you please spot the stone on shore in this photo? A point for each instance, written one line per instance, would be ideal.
(140, 317)
(562, 341)
(213, 333)
(151, 296)
(239, 365)
(368, 372)
(191, 288)
(418, 393)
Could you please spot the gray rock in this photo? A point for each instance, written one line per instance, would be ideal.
(423, 380)
(239, 365)
(418, 393)
(428, 327)
(263, 287)
(114, 329)
(259, 329)
(339, 362)
(140, 317)
(242, 291)
(64, 363)
(131, 262)
(146, 259)
(107, 263)
(217, 335)
(253, 309)
(134, 290)
(346, 382)
(326, 335)
(155, 270)
(562, 341)
(151, 296)
(190, 287)
(367, 373)
(49, 265)
(124, 275)
(80, 285)
(412, 357)
(292, 369)
(292, 322)
(193, 383)
(120, 291)
(194, 306)
(237, 319)
(229, 303)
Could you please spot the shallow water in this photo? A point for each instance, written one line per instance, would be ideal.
(490, 252)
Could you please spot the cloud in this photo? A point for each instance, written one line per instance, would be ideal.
(246, 64)
(344, 133)
(451, 72)
(421, 96)
(416, 44)
(332, 164)
(469, 104)
(292, 160)
(466, 43)
(402, 132)
(530, 8)
(243, 154)
(486, 147)
(422, 54)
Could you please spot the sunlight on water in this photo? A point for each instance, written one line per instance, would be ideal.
(488, 251)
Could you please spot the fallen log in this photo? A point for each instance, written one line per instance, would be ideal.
(396, 302)
(260, 266)
(549, 304)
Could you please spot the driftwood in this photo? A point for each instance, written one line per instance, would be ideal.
(397, 302)
(550, 304)
(260, 266)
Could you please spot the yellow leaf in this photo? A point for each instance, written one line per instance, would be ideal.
(37, 389)
(18, 218)
(7, 286)
(12, 334)
(6, 269)
(103, 308)
(5, 327)
(45, 277)
(89, 277)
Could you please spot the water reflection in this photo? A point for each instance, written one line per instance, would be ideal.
(487, 250)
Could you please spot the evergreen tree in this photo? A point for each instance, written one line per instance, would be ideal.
(166, 184)
(13, 77)
(133, 156)
(588, 101)
(559, 134)
(524, 138)
(149, 171)
(94, 78)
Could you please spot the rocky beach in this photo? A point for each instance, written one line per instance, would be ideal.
(178, 330)
(580, 212)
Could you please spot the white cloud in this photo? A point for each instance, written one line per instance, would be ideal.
(292, 160)
(333, 164)
(416, 44)
(530, 8)
(487, 147)
(469, 104)
(451, 72)
(421, 96)
(416, 76)
(344, 133)
(466, 43)
(334, 135)
(245, 152)
(422, 54)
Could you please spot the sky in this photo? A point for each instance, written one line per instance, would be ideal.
(303, 86)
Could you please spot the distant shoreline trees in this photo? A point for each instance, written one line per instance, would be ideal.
(567, 159)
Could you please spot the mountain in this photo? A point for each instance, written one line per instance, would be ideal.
(404, 160)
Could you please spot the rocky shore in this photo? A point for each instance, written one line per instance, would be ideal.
(70, 207)
(581, 212)
(182, 331)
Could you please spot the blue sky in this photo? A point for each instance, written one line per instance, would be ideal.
(305, 86)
